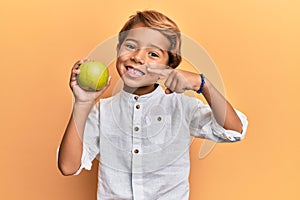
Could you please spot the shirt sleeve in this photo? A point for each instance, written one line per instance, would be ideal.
(90, 139)
(204, 125)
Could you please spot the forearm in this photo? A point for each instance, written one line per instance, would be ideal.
(181, 80)
(70, 152)
(223, 112)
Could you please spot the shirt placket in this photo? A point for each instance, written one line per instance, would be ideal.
(137, 179)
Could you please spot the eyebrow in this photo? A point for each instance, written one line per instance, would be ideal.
(150, 45)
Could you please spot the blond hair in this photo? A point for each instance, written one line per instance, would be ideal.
(157, 21)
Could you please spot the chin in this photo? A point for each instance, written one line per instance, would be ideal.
(131, 83)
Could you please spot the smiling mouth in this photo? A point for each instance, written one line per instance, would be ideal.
(133, 72)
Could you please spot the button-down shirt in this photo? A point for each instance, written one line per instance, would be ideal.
(143, 143)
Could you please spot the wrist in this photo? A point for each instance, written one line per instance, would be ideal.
(83, 105)
(201, 85)
(81, 111)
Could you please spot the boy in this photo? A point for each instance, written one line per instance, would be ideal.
(142, 134)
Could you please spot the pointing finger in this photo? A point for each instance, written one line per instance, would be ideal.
(161, 72)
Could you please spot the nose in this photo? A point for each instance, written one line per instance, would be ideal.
(138, 57)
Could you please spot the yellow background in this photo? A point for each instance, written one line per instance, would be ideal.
(254, 43)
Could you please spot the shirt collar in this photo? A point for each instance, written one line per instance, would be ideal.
(142, 98)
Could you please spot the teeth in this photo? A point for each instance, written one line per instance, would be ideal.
(135, 72)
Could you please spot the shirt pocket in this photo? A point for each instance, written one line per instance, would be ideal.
(158, 129)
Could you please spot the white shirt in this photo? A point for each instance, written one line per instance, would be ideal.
(143, 143)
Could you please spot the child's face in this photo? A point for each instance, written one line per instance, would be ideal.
(141, 48)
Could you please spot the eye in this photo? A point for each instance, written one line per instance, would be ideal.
(153, 54)
(130, 46)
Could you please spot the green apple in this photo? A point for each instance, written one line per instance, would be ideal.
(93, 75)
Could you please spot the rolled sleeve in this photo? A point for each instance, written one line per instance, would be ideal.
(230, 135)
(204, 125)
(86, 162)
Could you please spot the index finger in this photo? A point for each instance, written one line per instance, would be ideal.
(161, 72)
(75, 69)
(79, 62)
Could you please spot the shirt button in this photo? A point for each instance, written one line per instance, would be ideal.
(136, 97)
(159, 119)
(136, 151)
(137, 106)
(136, 128)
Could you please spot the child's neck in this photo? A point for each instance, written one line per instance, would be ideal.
(140, 90)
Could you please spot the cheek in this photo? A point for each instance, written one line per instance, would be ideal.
(121, 59)
(167, 59)
(119, 67)
(123, 52)
(163, 61)
(153, 76)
